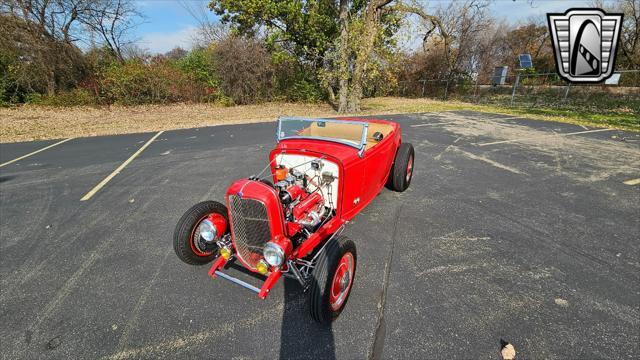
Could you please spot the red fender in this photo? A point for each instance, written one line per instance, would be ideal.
(268, 284)
(217, 265)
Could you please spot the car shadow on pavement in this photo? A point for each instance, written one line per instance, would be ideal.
(6, 178)
(301, 337)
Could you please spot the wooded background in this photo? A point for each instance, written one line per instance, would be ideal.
(81, 52)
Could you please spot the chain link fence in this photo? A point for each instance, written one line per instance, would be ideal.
(531, 90)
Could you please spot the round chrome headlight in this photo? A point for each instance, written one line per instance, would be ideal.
(207, 230)
(273, 254)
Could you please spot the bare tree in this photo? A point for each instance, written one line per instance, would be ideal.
(209, 31)
(488, 51)
(630, 31)
(630, 39)
(53, 19)
(465, 23)
(113, 21)
(244, 68)
(57, 25)
(38, 61)
(47, 30)
(176, 53)
(136, 52)
(629, 45)
(68, 20)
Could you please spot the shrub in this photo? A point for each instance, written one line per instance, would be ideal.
(306, 91)
(199, 64)
(31, 61)
(294, 82)
(135, 82)
(75, 97)
(33, 98)
(244, 68)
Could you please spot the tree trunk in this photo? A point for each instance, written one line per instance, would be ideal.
(343, 57)
(372, 23)
(51, 83)
(352, 82)
(355, 95)
(332, 97)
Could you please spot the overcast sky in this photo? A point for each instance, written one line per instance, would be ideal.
(168, 24)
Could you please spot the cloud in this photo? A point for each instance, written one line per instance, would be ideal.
(161, 42)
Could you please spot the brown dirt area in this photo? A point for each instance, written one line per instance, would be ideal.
(27, 123)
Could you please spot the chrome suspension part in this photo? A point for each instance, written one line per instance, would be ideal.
(301, 269)
(225, 240)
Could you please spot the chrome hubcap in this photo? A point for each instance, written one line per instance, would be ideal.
(206, 230)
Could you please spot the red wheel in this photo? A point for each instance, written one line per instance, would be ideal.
(402, 169)
(342, 280)
(332, 280)
(198, 230)
(409, 169)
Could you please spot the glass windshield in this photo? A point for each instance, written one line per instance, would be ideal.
(353, 133)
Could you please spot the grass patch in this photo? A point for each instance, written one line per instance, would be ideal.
(31, 122)
(622, 118)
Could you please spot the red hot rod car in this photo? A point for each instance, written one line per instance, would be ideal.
(323, 172)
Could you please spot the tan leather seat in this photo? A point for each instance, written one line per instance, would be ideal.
(348, 132)
(384, 129)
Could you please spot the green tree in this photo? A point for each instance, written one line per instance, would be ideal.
(199, 64)
(304, 28)
(342, 39)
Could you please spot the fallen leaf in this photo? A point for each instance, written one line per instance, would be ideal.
(561, 302)
(508, 352)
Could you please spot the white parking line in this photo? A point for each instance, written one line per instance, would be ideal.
(119, 169)
(488, 161)
(632, 182)
(35, 152)
(543, 136)
(506, 118)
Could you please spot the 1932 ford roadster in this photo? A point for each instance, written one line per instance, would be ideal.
(323, 173)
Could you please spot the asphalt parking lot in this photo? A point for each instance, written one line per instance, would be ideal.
(512, 229)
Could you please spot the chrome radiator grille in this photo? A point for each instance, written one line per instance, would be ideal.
(250, 228)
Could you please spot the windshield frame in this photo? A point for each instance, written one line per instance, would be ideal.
(358, 146)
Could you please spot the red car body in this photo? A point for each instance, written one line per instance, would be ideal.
(257, 210)
(364, 176)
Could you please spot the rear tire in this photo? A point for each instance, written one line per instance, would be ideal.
(184, 236)
(330, 288)
(402, 169)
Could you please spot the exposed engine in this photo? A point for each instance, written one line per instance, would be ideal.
(305, 196)
(269, 220)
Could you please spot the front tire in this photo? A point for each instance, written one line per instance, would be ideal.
(402, 169)
(186, 239)
(332, 280)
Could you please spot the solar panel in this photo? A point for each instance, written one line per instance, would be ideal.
(613, 80)
(525, 61)
(500, 75)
